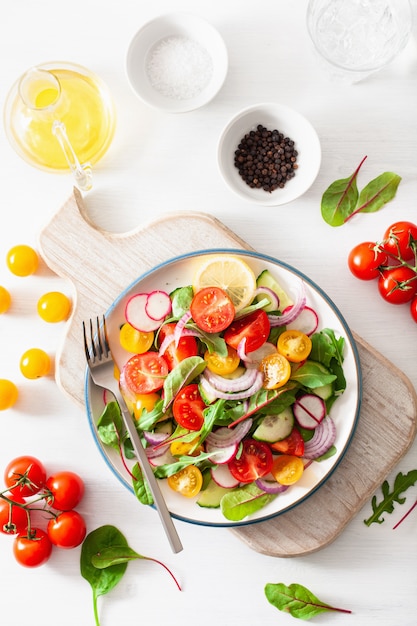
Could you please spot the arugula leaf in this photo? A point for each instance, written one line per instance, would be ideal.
(238, 504)
(401, 484)
(168, 469)
(297, 600)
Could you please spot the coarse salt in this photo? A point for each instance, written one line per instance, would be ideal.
(179, 68)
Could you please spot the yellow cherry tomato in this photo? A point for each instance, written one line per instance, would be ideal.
(54, 307)
(22, 260)
(35, 363)
(181, 448)
(187, 482)
(287, 469)
(294, 345)
(134, 340)
(8, 394)
(276, 370)
(222, 365)
(5, 299)
(143, 401)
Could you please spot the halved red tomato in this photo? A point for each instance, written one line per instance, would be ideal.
(254, 328)
(255, 461)
(188, 408)
(212, 309)
(293, 444)
(145, 373)
(187, 346)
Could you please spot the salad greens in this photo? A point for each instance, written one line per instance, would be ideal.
(342, 200)
(297, 600)
(322, 369)
(390, 496)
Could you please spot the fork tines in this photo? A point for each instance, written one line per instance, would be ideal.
(98, 345)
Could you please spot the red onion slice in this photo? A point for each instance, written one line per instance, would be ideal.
(239, 395)
(224, 437)
(290, 314)
(270, 486)
(231, 384)
(323, 438)
(180, 327)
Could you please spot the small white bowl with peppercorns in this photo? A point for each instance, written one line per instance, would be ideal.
(269, 154)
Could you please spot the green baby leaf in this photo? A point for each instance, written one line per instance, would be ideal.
(297, 600)
(110, 425)
(401, 483)
(242, 502)
(180, 376)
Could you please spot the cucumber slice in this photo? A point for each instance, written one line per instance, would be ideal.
(325, 391)
(275, 427)
(265, 279)
(211, 497)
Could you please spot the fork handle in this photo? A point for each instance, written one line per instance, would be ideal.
(161, 505)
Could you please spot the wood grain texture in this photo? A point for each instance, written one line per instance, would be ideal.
(100, 265)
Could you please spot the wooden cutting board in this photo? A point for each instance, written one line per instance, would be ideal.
(100, 265)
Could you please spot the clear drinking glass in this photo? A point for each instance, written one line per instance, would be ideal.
(355, 38)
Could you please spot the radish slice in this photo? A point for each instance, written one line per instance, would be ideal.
(323, 438)
(270, 486)
(309, 410)
(307, 321)
(223, 477)
(158, 305)
(221, 455)
(136, 315)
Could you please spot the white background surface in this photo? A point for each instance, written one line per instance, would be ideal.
(161, 163)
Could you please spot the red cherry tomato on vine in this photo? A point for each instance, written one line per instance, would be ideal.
(34, 550)
(67, 530)
(364, 261)
(413, 309)
(254, 462)
(398, 285)
(67, 489)
(13, 519)
(397, 239)
(254, 328)
(29, 471)
(188, 408)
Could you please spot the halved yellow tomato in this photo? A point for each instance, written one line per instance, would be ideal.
(294, 345)
(222, 365)
(187, 482)
(144, 401)
(287, 469)
(276, 370)
(181, 448)
(135, 341)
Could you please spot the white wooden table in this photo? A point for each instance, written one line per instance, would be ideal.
(161, 164)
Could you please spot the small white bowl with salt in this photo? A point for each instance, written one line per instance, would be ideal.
(177, 62)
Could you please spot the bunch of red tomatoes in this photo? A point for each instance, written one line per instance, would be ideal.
(393, 262)
(32, 496)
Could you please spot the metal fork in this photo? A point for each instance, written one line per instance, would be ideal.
(101, 366)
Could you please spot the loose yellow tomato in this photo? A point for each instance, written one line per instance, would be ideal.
(134, 340)
(181, 448)
(8, 394)
(22, 260)
(287, 469)
(35, 363)
(276, 370)
(54, 307)
(143, 401)
(5, 300)
(187, 482)
(294, 345)
(222, 365)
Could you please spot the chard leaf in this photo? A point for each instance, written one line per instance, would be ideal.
(401, 484)
(378, 192)
(114, 555)
(180, 376)
(340, 199)
(110, 425)
(297, 600)
(181, 299)
(310, 375)
(140, 486)
(244, 501)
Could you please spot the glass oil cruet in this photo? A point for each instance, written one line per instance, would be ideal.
(60, 116)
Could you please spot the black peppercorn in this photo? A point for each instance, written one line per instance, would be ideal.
(266, 159)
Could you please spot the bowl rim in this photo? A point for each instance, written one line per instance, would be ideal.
(259, 196)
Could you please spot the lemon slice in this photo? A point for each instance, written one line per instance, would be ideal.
(231, 274)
